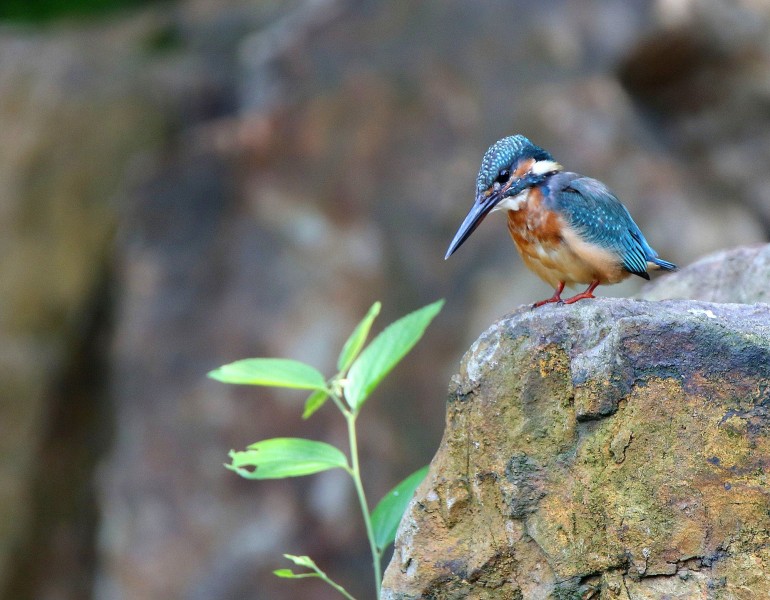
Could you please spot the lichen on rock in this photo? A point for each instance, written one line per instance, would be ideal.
(608, 449)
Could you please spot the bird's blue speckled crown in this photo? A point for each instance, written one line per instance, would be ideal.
(504, 153)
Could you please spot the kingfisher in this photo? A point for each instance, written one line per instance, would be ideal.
(568, 229)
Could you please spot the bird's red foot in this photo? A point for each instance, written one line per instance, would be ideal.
(583, 295)
(555, 298)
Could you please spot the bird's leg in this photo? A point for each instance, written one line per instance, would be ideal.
(555, 298)
(582, 295)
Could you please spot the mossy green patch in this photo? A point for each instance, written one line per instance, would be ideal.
(35, 11)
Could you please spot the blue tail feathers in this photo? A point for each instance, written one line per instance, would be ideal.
(664, 264)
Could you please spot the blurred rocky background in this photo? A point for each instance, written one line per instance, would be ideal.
(186, 183)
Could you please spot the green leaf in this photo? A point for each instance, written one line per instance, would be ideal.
(315, 401)
(301, 561)
(276, 372)
(389, 511)
(357, 339)
(286, 457)
(385, 352)
(306, 561)
(289, 574)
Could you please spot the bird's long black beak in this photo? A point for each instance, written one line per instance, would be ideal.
(480, 209)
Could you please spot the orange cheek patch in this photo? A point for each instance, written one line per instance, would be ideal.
(523, 167)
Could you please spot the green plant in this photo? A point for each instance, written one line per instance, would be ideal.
(47, 10)
(360, 370)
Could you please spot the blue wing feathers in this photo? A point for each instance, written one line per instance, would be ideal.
(593, 210)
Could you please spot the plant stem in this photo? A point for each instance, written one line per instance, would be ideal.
(340, 404)
(336, 586)
(355, 473)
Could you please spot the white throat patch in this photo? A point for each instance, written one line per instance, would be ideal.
(513, 202)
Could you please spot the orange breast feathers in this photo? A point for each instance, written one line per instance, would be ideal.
(554, 250)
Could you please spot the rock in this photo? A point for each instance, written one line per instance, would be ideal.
(608, 449)
(736, 275)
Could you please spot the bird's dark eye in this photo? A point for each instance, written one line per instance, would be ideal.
(502, 176)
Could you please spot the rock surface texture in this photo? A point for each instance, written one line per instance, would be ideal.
(608, 449)
(735, 275)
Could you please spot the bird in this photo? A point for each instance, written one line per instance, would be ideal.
(569, 229)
